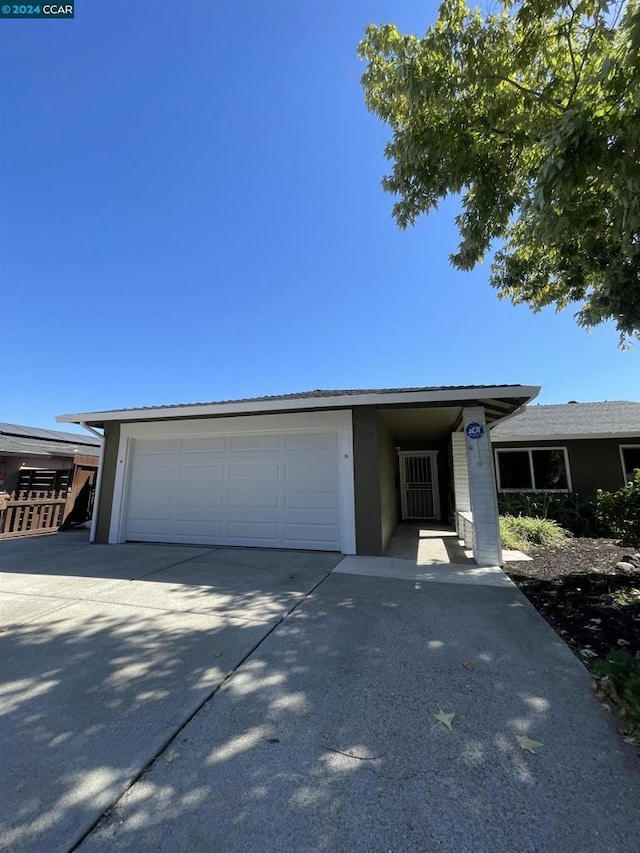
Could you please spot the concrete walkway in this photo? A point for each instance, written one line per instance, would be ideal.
(324, 738)
(431, 544)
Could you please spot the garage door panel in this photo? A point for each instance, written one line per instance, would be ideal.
(248, 530)
(317, 516)
(315, 532)
(149, 495)
(311, 500)
(152, 526)
(162, 446)
(199, 493)
(155, 474)
(263, 490)
(209, 513)
(259, 442)
(321, 467)
(204, 530)
(253, 471)
(311, 441)
(202, 472)
(207, 446)
(254, 499)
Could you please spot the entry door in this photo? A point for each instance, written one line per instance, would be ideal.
(419, 484)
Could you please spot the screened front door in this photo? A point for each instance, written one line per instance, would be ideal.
(419, 484)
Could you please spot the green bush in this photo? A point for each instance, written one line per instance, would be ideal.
(624, 670)
(573, 512)
(620, 511)
(518, 532)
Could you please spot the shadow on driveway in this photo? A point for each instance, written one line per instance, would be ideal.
(325, 739)
(105, 652)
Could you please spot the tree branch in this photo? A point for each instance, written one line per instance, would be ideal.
(576, 82)
(567, 32)
(539, 96)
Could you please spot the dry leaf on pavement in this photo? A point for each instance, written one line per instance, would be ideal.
(525, 742)
(445, 719)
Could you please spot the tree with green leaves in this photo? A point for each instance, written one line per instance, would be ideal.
(532, 115)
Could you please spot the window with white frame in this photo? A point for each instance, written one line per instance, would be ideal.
(533, 469)
(630, 456)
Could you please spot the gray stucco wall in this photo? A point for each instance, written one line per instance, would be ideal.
(594, 463)
(388, 477)
(367, 481)
(109, 465)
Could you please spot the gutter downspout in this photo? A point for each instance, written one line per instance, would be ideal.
(96, 499)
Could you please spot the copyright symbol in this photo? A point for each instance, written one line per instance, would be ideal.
(6, 10)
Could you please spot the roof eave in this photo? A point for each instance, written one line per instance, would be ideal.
(521, 393)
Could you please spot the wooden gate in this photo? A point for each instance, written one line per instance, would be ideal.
(45, 500)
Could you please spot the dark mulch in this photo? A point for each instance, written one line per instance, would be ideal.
(582, 592)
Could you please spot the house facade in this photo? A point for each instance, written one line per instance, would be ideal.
(570, 447)
(322, 470)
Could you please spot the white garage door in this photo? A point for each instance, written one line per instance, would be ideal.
(279, 490)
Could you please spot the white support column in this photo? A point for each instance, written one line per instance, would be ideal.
(487, 549)
(460, 478)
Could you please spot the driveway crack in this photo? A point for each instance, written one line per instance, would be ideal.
(180, 728)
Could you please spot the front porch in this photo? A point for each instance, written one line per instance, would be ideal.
(427, 553)
(425, 486)
(427, 544)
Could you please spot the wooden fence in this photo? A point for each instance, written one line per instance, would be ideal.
(44, 499)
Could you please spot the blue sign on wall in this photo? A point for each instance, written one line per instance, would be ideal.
(474, 430)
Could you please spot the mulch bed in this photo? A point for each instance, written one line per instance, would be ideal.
(582, 590)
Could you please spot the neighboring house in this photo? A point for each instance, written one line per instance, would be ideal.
(47, 477)
(571, 447)
(324, 470)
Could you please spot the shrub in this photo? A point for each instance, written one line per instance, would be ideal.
(624, 670)
(518, 532)
(573, 512)
(620, 511)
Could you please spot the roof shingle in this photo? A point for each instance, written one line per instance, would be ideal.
(571, 420)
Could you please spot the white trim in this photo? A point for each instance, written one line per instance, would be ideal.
(337, 421)
(529, 450)
(96, 495)
(339, 401)
(98, 483)
(621, 447)
(587, 436)
(435, 486)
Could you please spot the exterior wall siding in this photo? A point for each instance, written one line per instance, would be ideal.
(487, 549)
(594, 463)
(460, 472)
(367, 481)
(388, 478)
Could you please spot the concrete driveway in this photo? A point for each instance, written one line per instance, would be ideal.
(322, 739)
(105, 652)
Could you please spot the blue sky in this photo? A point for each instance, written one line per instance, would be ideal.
(191, 210)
